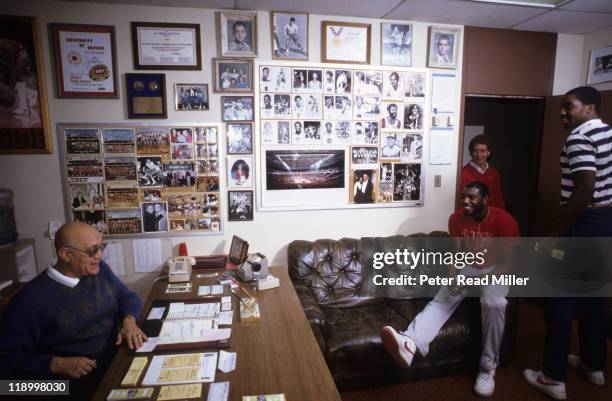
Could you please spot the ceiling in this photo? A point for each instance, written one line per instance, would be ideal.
(570, 16)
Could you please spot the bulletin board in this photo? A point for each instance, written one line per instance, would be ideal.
(143, 180)
(340, 136)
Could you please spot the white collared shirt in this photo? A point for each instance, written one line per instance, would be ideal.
(477, 167)
(62, 278)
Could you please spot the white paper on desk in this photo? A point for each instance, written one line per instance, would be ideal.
(184, 331)
(216, 290)
(226, 300)
(226, 307)
(227, 361)
(206, 370)
(441, 150)
(218, 391)
(147, 255)
(216, 334)
(149, 346)
(156, 313)
(203, 290)
(113, 257)
(225, 318)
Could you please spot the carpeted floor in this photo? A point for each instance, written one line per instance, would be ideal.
(510, 385)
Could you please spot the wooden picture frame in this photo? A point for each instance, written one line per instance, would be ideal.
(243, 42)
(25, 125)
(238, 250)
(235, 113)
(146, 95)
(343, 42)
(85, 60)
(149, 56)
(298, 38)
(223, 79)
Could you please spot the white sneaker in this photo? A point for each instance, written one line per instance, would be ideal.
(596, 377)
(485, 383)
(401, 347)
(548, 386)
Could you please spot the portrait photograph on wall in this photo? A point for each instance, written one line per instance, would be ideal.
(363, 186)
(289, 36)
(24, 116)
(240, 172)
(304, 169)
(238, 33)
(443, 47)
(396, 44)
(233, 75)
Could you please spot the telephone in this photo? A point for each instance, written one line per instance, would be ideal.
(256, 266)
(179, 268)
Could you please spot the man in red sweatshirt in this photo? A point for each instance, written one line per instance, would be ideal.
(478, 169)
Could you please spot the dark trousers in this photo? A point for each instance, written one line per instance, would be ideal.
(559, 312)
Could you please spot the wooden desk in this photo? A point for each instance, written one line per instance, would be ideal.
(277, 355)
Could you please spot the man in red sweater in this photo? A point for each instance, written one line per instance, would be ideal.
(478, 169)
(475, 226)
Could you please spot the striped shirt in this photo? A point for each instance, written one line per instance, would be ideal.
(588, 147)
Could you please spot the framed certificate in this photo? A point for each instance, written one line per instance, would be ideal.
(85, 60)
(146, 95)
(166, 46)
(345, 42)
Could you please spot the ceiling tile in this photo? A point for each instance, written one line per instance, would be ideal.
(568, 22)
(464, 13)
(352, 8)
(214, 4)
(599, 6)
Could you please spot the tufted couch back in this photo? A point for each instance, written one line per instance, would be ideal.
(340, 273)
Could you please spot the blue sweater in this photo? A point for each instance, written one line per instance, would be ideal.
(47, 319)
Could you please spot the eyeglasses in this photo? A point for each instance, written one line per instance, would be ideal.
(92, 252)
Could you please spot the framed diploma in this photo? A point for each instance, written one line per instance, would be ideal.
(345, 42)
(166, 46)
(146, 95)
(85, 60)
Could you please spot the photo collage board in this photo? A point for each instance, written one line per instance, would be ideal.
(311, 116)
(126, 179)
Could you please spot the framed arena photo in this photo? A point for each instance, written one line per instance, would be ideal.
(290, 35)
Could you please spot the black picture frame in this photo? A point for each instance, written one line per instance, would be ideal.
(239, 212)
(146, 95)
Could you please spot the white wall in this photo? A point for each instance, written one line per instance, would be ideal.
(36, 179)
(568, 63)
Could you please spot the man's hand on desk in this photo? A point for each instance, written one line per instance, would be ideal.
(131, 333)
(76, 367)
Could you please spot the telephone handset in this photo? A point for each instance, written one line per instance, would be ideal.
(179, 268)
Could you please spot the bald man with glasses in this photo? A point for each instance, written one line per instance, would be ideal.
(67, 322)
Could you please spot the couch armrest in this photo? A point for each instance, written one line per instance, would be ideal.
(314, 314)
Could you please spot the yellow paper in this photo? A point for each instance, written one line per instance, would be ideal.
(181, 391)
(135, 370)
(181, 361)
(176, 375)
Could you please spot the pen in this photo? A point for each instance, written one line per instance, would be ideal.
(242, 300)
(241, 287)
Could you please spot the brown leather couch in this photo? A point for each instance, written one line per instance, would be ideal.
(333, 280)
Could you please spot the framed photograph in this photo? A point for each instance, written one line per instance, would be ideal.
(346, 42)
(85, 70)
(289, 36)
(239, 138)
(304, 169)
(166, 46)
(600, 66)
(24, 114)
(396, 44)
(237, 108)
(146, 95)
(407, 182)
(238, 33)
(240, 205)
(238, 250)
(190, 97)
(233, 74)
(363, 186)
(240, 172)
(155, 217)
(443, 47)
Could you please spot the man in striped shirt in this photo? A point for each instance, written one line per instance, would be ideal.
(586, 199)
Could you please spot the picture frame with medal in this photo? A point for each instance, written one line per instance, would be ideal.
(146, 95)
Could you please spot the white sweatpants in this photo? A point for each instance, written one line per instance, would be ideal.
(427, 324)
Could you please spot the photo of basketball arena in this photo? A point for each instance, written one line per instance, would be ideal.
(304, 169)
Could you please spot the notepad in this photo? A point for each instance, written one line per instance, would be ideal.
(181, 369)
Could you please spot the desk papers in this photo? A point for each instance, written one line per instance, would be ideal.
(156, 313)
(134, 371)
(227, 361)
(181, 369)
(225, 318)
(218, 391)
(269, 397)
(149, 345)
(130, 394)
(180, 392)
